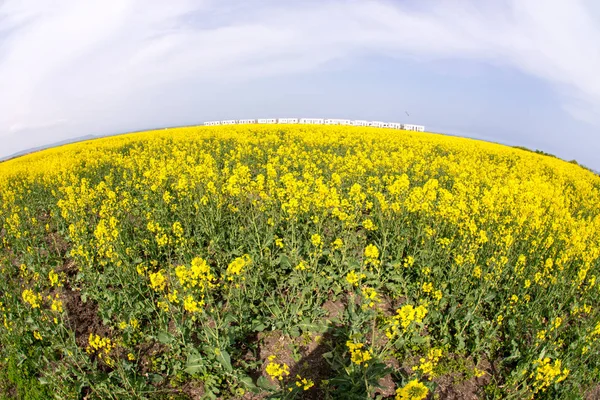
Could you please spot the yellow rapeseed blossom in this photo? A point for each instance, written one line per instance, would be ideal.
(484, 233)
(357, 355)
(371, 252)
(337, 244)
(33, 299)
(428, 363)
(413, 390)
(157, 281)
(57, 304)
(369, 225)
(236, 267)
(304, 383)
(302, 266)
(404, 318)
(546, 373)
(316, 240)
(53, 278)
(370, 297)
(192, 305)
(276, 370)
(354, 278)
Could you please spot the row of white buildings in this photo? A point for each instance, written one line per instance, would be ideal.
(319, 121)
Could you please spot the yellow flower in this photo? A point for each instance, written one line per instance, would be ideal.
(57, 305)
(369, 225)
(404, 318)
(37, 335)
(357, 355)
(337, 244)
(557, 323)
(413, 390)
(158, 281)
(53, 278)
(177, 229)
(371, 252)
(302, 266)
(236, 267)
(102, 345)
(304, 383)
(33, 299)
(353, 278)
(427, 365)
(276, 370)
(369, 296)
(191, 305)
(547, 373)
(172, 297)
(541, 335)
(316, 240)
(427, 287)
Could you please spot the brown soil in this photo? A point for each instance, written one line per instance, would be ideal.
(57, 243)
(455, 386)
(82, 318)
(334, 309)
(147, 352)
(69, 268)
(593, 394)
(194, 390)
(311, 365)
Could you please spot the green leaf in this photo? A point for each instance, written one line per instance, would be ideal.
(307, 326)
(155, 378)
(266, 383)
(194, 362)
(284, 261)
(224, 359)
(294, 331)
(247, 382)
(260, 327)
(165, 337)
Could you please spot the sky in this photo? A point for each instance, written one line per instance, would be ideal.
(519, 72)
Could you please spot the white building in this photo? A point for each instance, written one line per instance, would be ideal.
(376, 124)
(312, 121)
(394, 125)
(411, 127)
(228, 122)
(346, 122)
(359, 122)
(212, 123)
(267, 121)
(287, 120)
(246, 121)
(334, 121)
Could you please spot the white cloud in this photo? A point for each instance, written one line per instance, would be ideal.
(68, 59)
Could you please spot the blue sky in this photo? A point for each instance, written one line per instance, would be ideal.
(521, 72)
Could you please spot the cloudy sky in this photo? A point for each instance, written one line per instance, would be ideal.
(521, 72)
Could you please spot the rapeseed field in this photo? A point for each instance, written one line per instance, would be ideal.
(297, 262)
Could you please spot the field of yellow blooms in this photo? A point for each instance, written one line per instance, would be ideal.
(279, 262)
